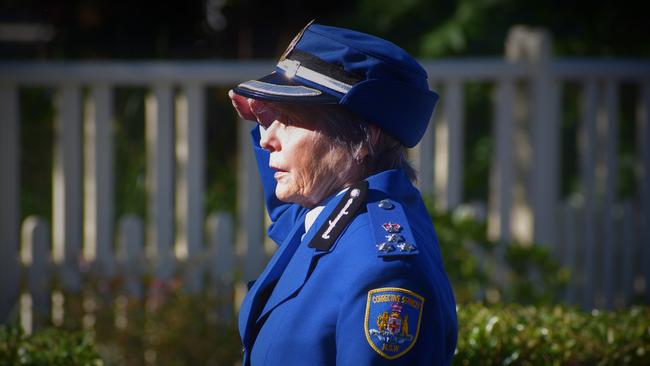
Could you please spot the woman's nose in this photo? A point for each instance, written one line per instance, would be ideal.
(268, 137)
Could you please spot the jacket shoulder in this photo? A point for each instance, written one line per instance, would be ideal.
(390, 230)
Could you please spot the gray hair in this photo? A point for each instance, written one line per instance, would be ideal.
(369, 151)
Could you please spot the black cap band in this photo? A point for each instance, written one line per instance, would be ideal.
(314, 63)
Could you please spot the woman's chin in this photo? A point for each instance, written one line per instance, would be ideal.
(283, 193)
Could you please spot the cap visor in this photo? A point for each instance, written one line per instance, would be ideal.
(275, 87)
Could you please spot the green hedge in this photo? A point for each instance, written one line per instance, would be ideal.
(528, 335)
(494, 335)
(49, 346)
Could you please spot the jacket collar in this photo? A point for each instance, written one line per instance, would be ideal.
(296, 272)
(393, 182)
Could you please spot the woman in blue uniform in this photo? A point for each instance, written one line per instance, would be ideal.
(358, 277)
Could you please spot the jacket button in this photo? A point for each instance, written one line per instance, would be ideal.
(386, 204)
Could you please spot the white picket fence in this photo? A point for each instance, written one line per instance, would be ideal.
(605, 242)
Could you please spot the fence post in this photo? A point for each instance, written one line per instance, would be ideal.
(98, 172)
(587, 140)
(130, 254)
(423, 157)
(67, 193)
(9, 196)
(220, 260)
(538, 177)
(643, 121)
(160, 179)
(250, 214)
(449, 147)
(570, 217)
(628, 239)
(501, 174)
(35, 255)
(608, 129)
(130, 263)
(190, 156)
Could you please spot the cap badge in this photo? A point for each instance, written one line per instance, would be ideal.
(290, 67)
(294, 41)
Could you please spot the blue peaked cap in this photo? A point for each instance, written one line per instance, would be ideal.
(369, 76)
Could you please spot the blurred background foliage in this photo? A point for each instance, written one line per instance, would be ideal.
(95, 30)
(50, 346)
(491, 272)
(103, 29)
(507, 334)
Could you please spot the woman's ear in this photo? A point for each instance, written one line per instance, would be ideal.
(375, 134)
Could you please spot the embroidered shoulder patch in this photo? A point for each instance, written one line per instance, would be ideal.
(392, 322)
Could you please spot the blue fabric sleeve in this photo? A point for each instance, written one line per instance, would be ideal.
(283, 215)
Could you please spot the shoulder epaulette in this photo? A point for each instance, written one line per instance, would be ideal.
(391, 232)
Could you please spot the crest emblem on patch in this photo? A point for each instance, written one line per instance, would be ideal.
(392, 322)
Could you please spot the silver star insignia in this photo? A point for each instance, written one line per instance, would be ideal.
(405, 247)
(385, 247)
(394, 238)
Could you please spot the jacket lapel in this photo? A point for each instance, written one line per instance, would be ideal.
(296, 272)
(252, 302)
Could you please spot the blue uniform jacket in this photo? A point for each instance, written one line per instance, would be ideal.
(355, 303)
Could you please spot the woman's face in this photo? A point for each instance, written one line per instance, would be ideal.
(307, 168)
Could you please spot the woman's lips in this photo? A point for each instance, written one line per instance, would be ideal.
(278, 172)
